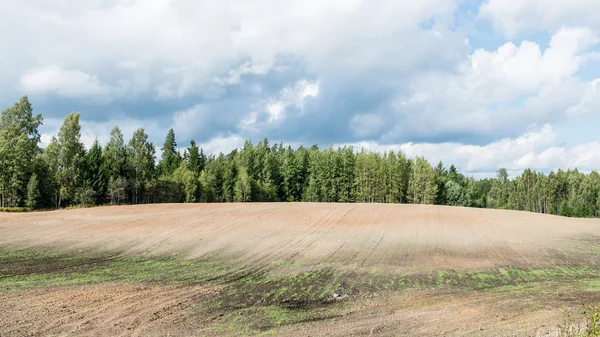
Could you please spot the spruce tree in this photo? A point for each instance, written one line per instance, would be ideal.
(170, 158)
(96, 177)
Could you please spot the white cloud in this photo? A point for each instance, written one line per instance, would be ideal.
(512, 17)
(275, 108)
(492, 93)
(531, 150)
(65, 83)
(90, 130)
(205, 40)
(234, 76)
(275, 111)
(222, 144)
(297, 95)
(409, 82)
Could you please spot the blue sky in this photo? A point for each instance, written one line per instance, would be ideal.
(481, 84)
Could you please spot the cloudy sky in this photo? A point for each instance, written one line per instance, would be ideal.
(481, 84)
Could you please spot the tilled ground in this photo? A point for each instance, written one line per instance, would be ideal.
(278, 269)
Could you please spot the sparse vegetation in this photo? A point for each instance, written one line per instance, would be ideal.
(310, 271)
(586, 325)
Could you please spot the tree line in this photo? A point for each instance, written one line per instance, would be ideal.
(65, 173)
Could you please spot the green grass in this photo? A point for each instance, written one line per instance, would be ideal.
(35, 269)
(263, 300)
(241, 287)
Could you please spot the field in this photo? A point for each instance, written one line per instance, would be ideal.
(296, 269)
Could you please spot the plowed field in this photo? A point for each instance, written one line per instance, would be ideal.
(293, 269)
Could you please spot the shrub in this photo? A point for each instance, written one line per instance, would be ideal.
(14, 209)
(590, 327)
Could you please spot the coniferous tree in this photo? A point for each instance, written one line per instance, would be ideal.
(63, 174)
(96, 177)
(194, 159)
(46, 186)
(170, 158)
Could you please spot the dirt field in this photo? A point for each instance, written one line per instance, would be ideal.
(294, 269)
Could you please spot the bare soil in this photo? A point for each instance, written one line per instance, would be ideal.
(357, 238)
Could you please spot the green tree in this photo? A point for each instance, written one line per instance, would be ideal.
(189, 180)
(116, 190)
(243, 186)
(195, 161)
(71, 158)
(33, 192)
(50, 157)
(114, 156)
(141, 155)
(423, 185)
(19, 138)
(170, 159)
(441, 176)
(46, 186)
(207, 186)
(455, 195)
(96, 177)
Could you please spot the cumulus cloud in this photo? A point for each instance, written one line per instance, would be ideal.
(512, 17)
(235, 75)
(291, 96)
(90, 130)
(222, 144)
(534, 149)
(493, 93)
(65, 83)
(185, 44)
(310, 71)
(274, 108)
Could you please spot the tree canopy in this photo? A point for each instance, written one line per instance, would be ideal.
(65, 173)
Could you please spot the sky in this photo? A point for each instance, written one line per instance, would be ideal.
(478, 84)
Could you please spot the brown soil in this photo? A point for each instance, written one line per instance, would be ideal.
(403, 236)
(99, 310)
(393, 238)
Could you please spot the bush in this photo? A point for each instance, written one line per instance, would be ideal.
(590, 327)
(14, 209)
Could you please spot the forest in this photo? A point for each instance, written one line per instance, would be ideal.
(66, 174)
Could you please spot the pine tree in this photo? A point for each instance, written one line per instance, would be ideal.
(194, 160)
(96, 178)
(170, 158)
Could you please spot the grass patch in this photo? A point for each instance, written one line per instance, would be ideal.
(244, 285)
(27, 269)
